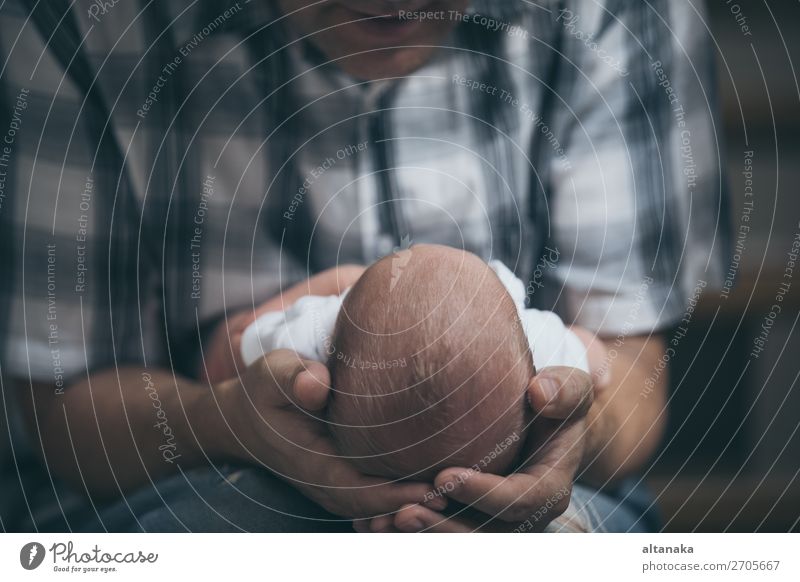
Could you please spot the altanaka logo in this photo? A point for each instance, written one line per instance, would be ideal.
(681, 549)
(31, 555)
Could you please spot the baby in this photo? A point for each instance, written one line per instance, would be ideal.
(430, 354)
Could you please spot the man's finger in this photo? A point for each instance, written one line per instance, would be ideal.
(416, 518)
(561, 392)
(382, 524)
(513, 499)
(555, 446)
(287, 379)
(385, 523)
(312, 386)
(385, 497)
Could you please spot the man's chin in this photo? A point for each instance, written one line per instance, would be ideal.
(385, 63)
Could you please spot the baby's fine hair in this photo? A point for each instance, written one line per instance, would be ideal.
(429, 367)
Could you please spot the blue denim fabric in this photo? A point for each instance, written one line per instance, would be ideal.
(627, 508)
(227, 499)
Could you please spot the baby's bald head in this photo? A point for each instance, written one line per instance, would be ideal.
(429, 367)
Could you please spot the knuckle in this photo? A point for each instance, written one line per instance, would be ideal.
(331, 502)
(521, 509)
(518, 513)
(281, 367)
(560, 507)
(533, 509)
(578, 388)
(350, 507)
(278, 360)
(527, 508)
(261, 367)
(560, 503)
(255, 374)
(578, 382)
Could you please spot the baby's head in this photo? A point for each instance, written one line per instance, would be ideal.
(429, 368)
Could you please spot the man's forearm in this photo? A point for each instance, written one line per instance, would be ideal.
(626, 422)
(119, 429)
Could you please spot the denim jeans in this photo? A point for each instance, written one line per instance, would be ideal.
(226, 499)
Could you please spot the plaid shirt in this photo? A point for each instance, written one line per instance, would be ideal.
(164, 165)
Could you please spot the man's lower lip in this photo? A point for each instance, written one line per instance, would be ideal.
(387, 30)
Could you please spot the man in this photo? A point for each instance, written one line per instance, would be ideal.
(174, 167)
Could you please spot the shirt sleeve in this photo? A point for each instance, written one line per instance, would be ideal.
(638, 201)
(76, 290)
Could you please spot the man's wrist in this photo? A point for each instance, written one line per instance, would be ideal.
(224, 423)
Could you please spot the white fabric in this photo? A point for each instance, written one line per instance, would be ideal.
(307, 327)
(552, 343)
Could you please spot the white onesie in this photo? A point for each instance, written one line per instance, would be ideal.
(307, 327)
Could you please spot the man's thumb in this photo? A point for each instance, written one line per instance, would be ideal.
(289, 379)
(561, 392)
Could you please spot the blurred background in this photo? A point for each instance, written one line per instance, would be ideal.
(731, 460)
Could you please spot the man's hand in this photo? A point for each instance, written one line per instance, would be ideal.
(274, 409)
(222, 359)
(596, 355)
(561, 397)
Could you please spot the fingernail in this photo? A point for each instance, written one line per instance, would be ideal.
(437, 503)
(549, 388)
(412, 525)
(310, 374)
